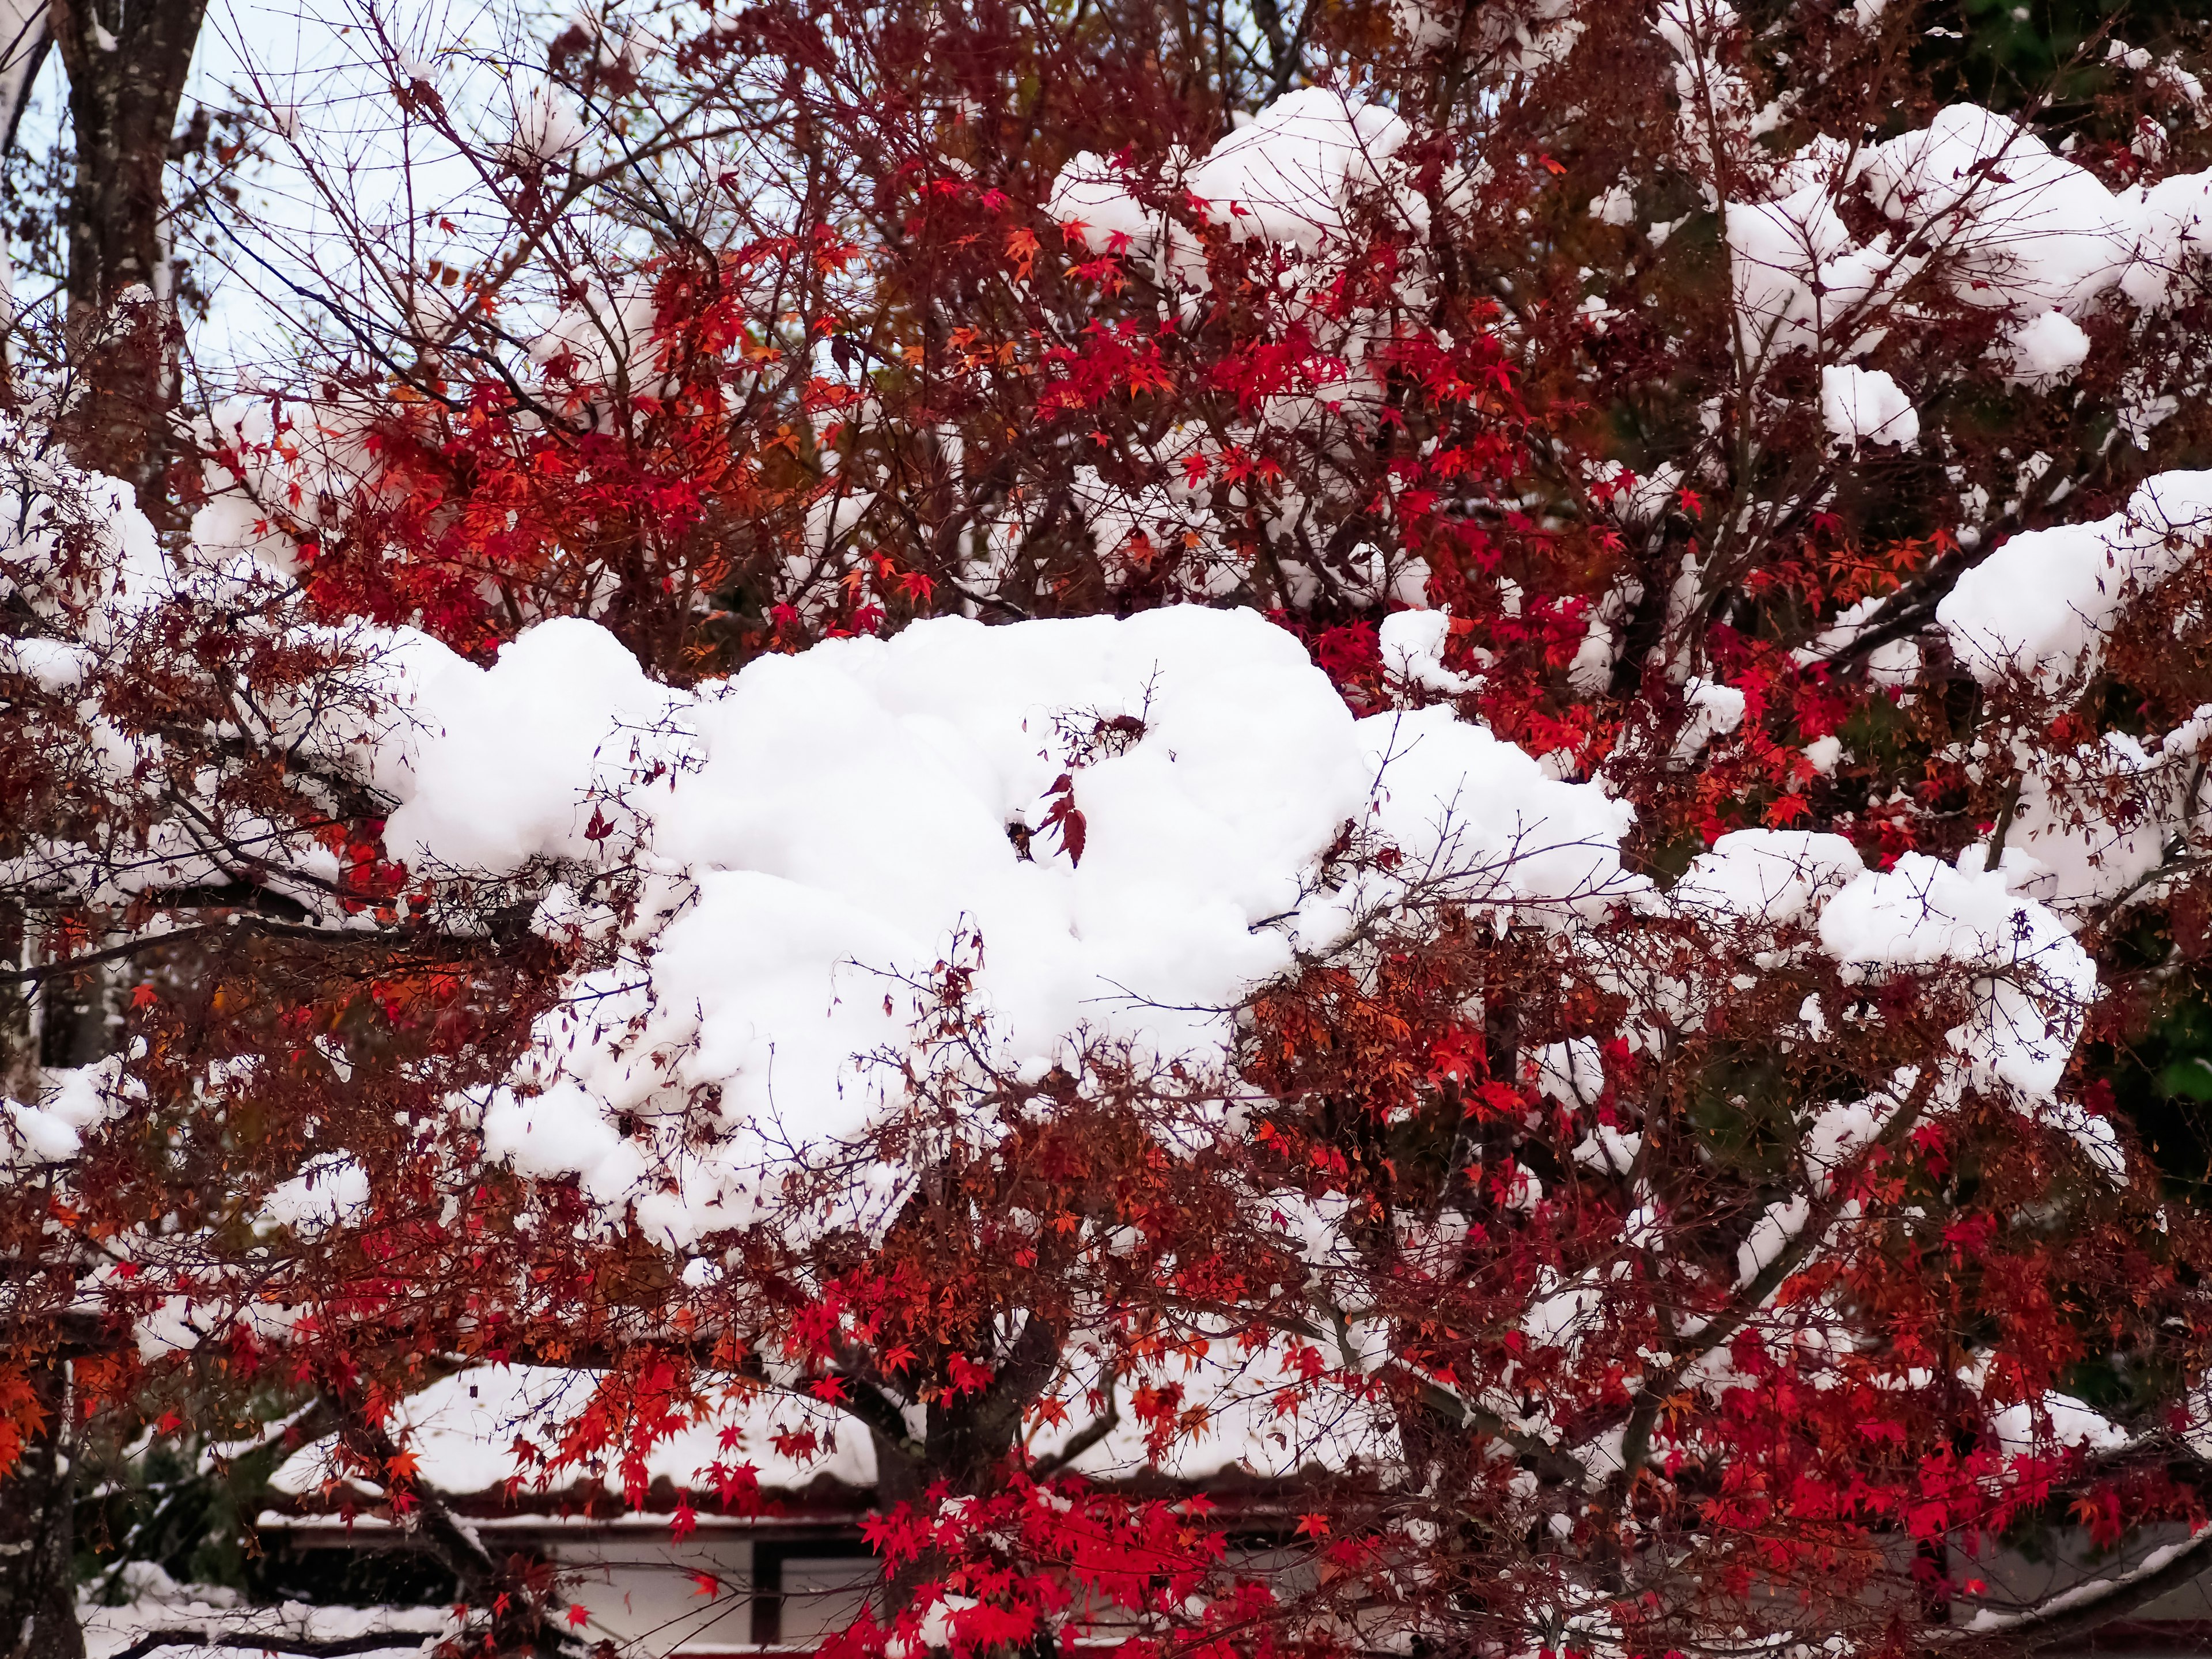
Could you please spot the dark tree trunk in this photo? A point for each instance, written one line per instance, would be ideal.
(126, 61)
(38, 1587)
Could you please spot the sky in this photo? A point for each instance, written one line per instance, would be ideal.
(309, 69)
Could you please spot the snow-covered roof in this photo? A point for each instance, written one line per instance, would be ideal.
(482, 1436)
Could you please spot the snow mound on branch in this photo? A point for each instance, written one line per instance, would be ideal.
(546, 127)
(524, 751)
(2005, 221)
(2021, 225)
(80, 556)
(2038, 983)
(1091, 197)
(1797, 273)
(2094, 821)
(2045, 350)
(2028, 984)
(50, 1129)
(605, 328)
(1288, 178)
(1289, 175)
(1118, 824)
(329, 1191)
(1867, 406)
(2042, 604)
(2051, 1423)
(1767, 876)
(2174, 241)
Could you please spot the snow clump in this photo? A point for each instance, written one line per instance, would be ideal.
(1123, 822)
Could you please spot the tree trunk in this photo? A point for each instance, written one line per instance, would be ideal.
(38, 1586)
(126, 61)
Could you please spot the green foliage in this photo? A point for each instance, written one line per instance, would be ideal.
(2162, 1081)
(2008, 54)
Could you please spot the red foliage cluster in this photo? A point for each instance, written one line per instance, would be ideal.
(1662, 1374)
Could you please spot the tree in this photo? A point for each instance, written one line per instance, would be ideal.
(116, 333)
(1363, 730)
(126, 66)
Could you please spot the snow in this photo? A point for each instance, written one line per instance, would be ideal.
(1606, 1148)
(1172, 515)
(53, 665)
(1091, 196)
(2041, 605)
(546, 127)
(1775, 1230)
(1796, 272)
(2173, 242)
(159, 1602)
(764, 875)
(1094, 199)
(1571, 1072)
(2091, 823)
(488, 1427)
(1987, 1620)
(1867, 406)
(2019, 224)
(50, 1128)
(2045, 350)
(1767, 876)
(523, 748)
(1252, 1413)
(329, 1190)
(2005, 222)
(1839, 1133)
(1714, 711)
(1615, 205)
(1412, 647)
(464, 1428)
(2053, 1422)
(2038, 983)
(817, 833)
(598, 333)
(1557, 1318)
(1636, 500)
(1288, 177)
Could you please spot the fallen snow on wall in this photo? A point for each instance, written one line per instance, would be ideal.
(218, 1617)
